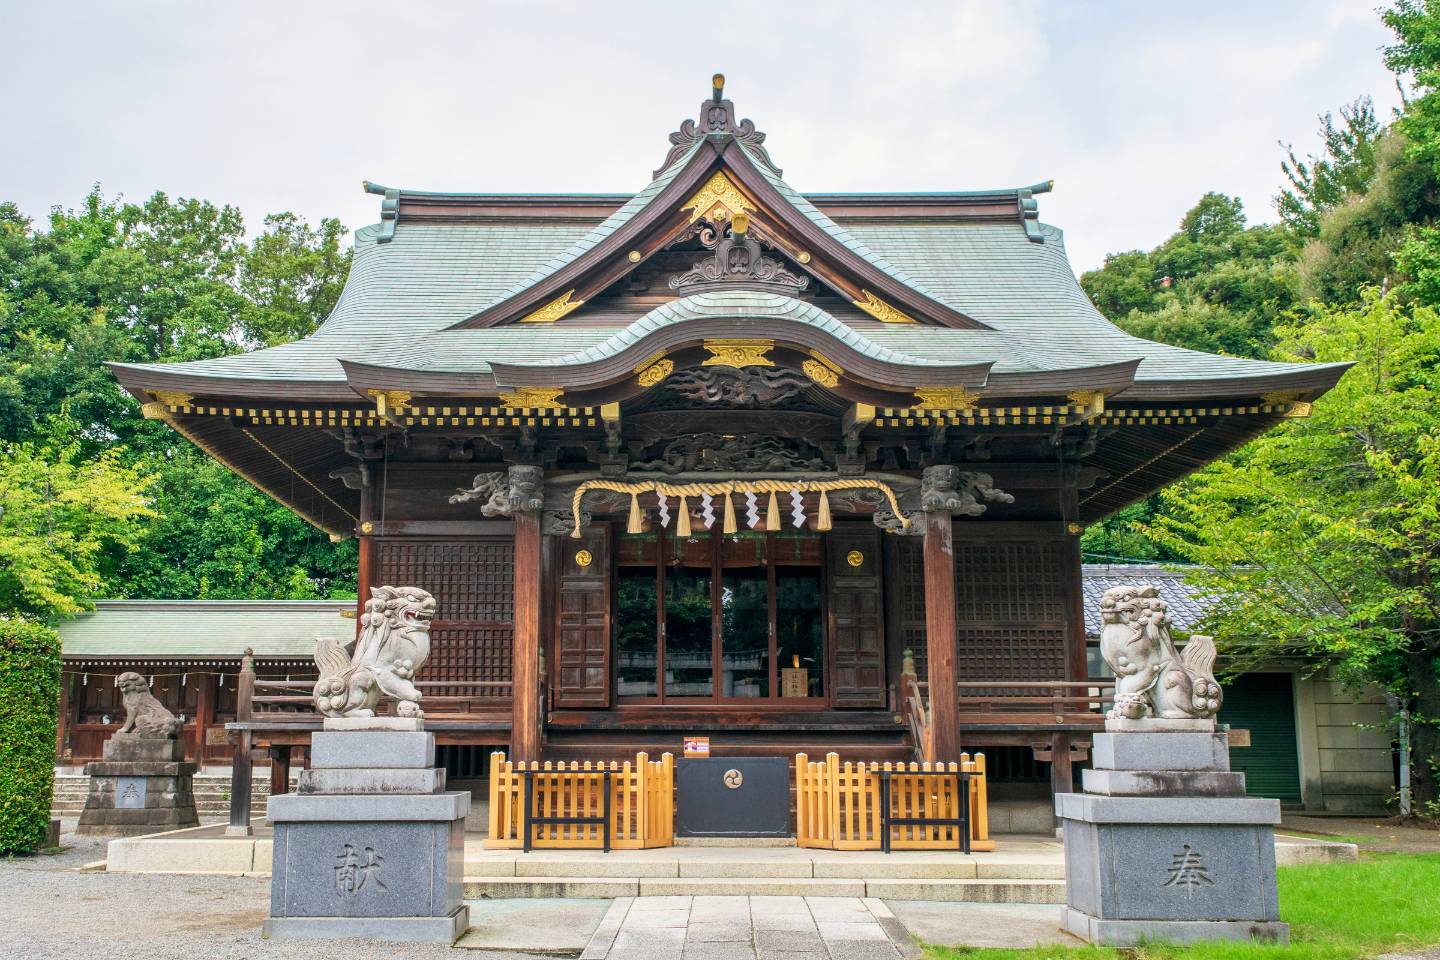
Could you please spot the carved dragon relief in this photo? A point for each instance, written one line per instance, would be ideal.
(520, 489)
(707, 452)
(746, 387)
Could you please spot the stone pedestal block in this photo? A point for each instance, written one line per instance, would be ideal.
(366, 848)
(141, 786)
(1174, 853)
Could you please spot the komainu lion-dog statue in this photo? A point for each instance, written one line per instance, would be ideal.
(393, 646)
(1152, 677)
(145, 717)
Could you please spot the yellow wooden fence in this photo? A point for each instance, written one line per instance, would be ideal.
(642, 803)
(837, 805)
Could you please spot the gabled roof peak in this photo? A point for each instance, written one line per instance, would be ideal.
(717, 120)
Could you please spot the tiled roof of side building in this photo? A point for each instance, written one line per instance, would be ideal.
(1184, 602)
(217, 629)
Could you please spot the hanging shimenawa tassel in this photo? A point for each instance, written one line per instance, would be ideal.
(822, 519)
(682, 520)
(772, 514)
(730, 525)
(637, 516)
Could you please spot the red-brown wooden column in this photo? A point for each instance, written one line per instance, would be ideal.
(525, 691)
(365, 530)
(940, 627)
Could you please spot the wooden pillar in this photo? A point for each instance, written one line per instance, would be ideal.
(279, 770)
(365, 529)
(525, 718)
(940, 634)
(241, 771)
(240, 775)
(62, 716)
(204, 713)
(1062, 776)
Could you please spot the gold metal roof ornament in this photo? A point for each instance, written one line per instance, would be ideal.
(945, 398)
(389, 403)
(555, 309)
(739, 353)
(881, 310)
(718, 200)
(649, 376)
(534, 398)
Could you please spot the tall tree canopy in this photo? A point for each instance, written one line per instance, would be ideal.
(169, 279)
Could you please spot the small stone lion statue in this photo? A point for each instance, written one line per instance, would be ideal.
(1152, 677)
(144, 716)
(393, 646)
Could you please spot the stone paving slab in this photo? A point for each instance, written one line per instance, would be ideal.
(545, 926)
(998, 925)
(749, 928)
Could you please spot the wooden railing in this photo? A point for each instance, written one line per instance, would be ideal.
(619, 806)
(842, 806)
(292, 701)
(1046, 703)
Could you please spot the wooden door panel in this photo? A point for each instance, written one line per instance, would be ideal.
(582, 621)
(857, 617)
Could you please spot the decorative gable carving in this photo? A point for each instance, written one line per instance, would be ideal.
(717, 115)
(737, 261)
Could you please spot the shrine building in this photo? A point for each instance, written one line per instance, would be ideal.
(791, 471)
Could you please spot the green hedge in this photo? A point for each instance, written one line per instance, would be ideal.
(29, 705)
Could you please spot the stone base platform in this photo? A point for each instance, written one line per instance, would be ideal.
(1164, 844)
(140, 786)
(1127, 933)
(370, 844)
(410, 929)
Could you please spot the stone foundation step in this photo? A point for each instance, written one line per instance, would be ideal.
(212, 794)
(854, 866)
(955, 891)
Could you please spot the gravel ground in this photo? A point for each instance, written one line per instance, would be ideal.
(50, 910)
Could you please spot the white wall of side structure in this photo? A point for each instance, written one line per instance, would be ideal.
(1346, 760)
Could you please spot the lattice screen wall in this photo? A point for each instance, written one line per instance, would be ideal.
(1013, 617)
(473, 582)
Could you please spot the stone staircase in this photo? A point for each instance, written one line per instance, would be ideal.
(987, 878)
(212, 794)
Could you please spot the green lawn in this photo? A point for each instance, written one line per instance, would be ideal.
(1336, 912)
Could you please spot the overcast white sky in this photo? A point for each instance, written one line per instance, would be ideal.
(1134, 108)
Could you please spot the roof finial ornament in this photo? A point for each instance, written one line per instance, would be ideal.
(717, 119)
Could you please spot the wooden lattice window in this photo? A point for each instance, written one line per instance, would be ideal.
(473, 582)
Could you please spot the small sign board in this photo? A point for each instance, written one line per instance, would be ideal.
(216, 736)
(697, 747)
(1238, 738)
(794, 682)
(129, 793)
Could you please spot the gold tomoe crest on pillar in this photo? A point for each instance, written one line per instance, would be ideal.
(881, 310)
(945, 398)
(534, 398)
(738, 353)
(719, 199)
(555, 309)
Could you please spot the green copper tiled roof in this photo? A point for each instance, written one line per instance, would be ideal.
(401, 296)
(205, 628)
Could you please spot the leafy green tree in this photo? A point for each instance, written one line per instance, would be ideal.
(61, 515)
(1215, 285)
(169, 279)
(292, 278)
(1323, 537)
(1345, 169)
